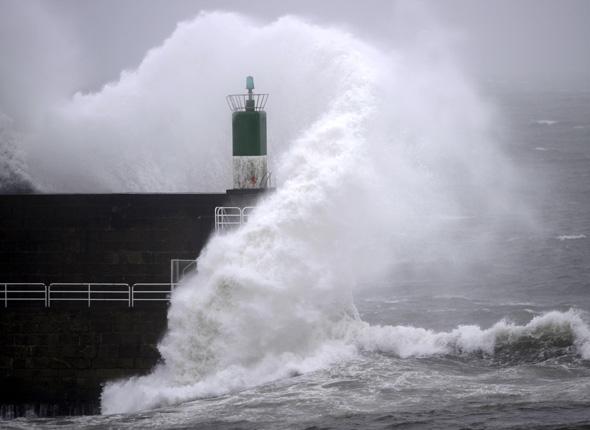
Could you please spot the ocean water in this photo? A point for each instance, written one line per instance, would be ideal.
(424, 263)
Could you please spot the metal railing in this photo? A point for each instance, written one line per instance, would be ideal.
(266, 181)
(22, 291)
(150, 292)
(89, 292)
(237, 102)
(85, 292)
(228, 217)
(246, 212)
(179, 268)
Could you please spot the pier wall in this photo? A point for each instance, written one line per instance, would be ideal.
(54, 361)
(101, 237)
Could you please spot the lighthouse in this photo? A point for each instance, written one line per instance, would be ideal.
(250, 169)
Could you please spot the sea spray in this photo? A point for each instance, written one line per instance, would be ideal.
(376, 152)
(164, 127)
(269, 300)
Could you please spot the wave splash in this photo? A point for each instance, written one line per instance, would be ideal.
(552, 335)
(551, 330)
(390, 144)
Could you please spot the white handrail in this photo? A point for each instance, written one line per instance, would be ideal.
(176, 274)
(226, 216)
(231, 216)
(135, 292)
(246, 213)
(88, 292)
(7, 291)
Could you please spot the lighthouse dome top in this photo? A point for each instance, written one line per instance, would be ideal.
(248, 101)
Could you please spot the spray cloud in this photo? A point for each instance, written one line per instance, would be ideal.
(378, 154)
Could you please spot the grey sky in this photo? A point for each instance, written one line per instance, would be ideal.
(53, 48)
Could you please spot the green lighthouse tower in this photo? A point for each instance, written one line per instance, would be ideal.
(250, 169)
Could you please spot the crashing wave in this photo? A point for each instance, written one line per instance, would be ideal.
(535, 340)
(373, 149)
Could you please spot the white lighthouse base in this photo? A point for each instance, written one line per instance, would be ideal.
(250, 172)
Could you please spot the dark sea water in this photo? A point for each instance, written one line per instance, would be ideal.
(534, 378)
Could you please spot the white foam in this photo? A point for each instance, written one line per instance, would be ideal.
(571, 236)
(545, 122)
(412, 341)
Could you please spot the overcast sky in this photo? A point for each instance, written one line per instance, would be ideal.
(55, 47)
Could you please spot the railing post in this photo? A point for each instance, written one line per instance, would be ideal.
(88, 295)
(45, 291)
(172, 265)
(49, 296)
(132, 296)
(5, 295)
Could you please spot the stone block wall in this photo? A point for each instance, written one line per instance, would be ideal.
(54, 361)
(101, 237)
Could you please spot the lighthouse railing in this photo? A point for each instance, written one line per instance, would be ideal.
(237, 102)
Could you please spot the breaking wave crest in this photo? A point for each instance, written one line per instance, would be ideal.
(552, 335)
(387, 145)
(544, 335)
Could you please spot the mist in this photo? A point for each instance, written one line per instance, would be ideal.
(53, 49)
(377, 154)
(56, 53)
(161, 125)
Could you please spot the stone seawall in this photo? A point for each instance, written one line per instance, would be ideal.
(54, 361)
